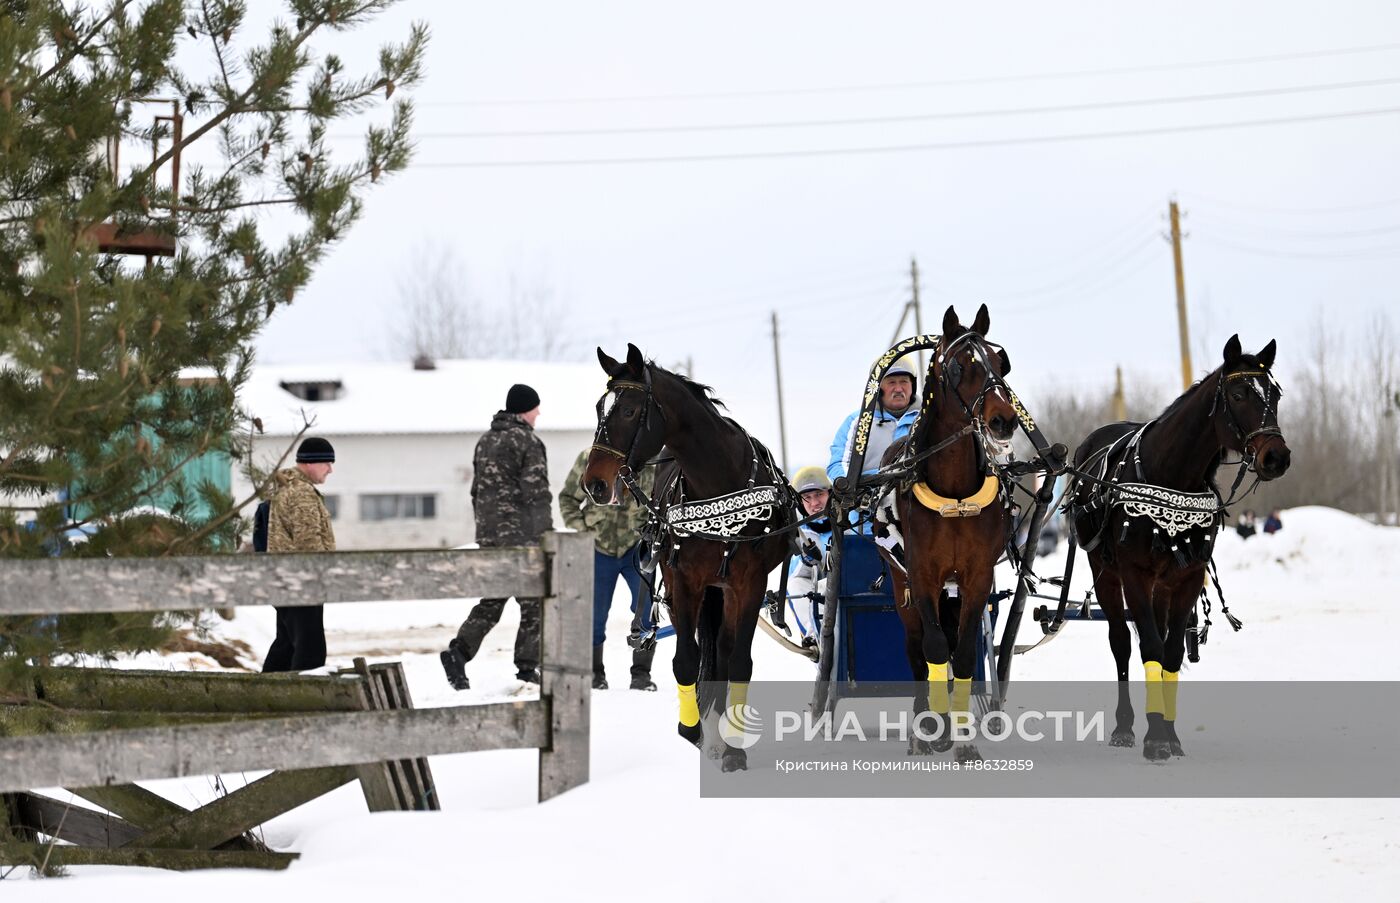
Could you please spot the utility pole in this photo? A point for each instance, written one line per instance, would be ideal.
(1120, 404)
(1181, 298)
(778, 372)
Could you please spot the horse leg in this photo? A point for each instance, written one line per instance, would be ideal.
(685, 609)
(1137, 592)
(974, 588)
(1120, 639)
(714, 665)
(935, 654)
(742, 603)
(1183, 601)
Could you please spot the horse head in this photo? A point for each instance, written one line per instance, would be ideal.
(968, 372)
(631, 428)
(1246, 410)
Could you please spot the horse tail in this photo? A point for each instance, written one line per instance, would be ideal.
(711, 618)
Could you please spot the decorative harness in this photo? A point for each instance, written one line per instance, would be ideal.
(1182, 516)
(723, 518)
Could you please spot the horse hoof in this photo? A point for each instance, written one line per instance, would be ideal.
(941, 744)
(734, 760)
(1123, 739)
(968, 754)
(1156, 750)
(919, 747)
(692, 735)
(1176, 748)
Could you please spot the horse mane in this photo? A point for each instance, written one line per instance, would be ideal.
(1246, 360)
(701, 391)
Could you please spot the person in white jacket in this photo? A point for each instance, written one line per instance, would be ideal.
(807, 573)
(894, 415)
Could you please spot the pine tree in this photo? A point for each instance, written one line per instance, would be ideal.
(116, 373)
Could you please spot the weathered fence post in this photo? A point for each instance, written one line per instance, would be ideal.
(566, 661)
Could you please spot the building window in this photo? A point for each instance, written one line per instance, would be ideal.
(398, 507)
(314, 390)
(332, 505)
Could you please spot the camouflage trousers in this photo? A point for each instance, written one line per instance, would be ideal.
(487, 614)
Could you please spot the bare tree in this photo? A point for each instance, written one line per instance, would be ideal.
(439, 316)
(435, 317)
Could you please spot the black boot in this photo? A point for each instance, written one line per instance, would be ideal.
(600, 680)
(454, 663)
(641, 669)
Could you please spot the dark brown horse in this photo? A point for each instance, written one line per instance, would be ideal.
(715, 588)
(1150, 515)
(954, 517)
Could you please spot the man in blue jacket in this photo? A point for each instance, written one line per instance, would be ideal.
(894, 415)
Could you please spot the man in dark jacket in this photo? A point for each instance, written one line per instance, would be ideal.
(511, 501)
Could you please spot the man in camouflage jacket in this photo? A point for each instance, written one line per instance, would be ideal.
(511, 502)
(614, 529)
(297, 521)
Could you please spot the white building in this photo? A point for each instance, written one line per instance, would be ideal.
(404, 437)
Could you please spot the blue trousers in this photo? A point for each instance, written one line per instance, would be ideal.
(606, 570)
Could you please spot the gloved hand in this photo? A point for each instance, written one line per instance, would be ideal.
(811, 554)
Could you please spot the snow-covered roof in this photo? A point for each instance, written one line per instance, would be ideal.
(392, 397)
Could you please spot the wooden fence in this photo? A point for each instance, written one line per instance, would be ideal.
(557, 724)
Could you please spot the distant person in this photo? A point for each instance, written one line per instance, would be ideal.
(615, 555)
(808, 571)
(1246, 525)
(511, 501)
(297, 521)
(1272, 524)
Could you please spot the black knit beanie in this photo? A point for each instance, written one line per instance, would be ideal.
(315, 450)
(521, 398)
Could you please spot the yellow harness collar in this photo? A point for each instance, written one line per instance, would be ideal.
(969, 507)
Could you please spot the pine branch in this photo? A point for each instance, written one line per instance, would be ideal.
(83, 45)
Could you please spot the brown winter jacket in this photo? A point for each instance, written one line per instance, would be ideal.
(297, 520)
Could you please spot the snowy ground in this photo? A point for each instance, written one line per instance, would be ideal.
(639, 830)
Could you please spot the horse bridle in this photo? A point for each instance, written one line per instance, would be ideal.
(615, 389)
(1247, 453)
(951, 373)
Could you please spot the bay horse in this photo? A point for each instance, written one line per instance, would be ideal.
(717, 482)
(1149, 516)
(955, 517)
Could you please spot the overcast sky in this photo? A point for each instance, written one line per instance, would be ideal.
(1061, 238)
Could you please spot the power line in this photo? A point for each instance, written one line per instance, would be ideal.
(1380, 252)
(938, 83)
(908, 118)
(1308, 235)
(1301, 211)
(906, 148)
(1118, 239)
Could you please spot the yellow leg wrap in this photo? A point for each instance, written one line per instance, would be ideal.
(938, 688)
(690, 709)
(1155, 703)
(1169, 694)
(962, 693)
(738, 698)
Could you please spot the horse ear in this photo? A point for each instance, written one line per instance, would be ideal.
(610, 365)
(1005, 361)
(982, 322)
(951, 326)
(1233, 351)
(635, 359)
(1266, 357)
